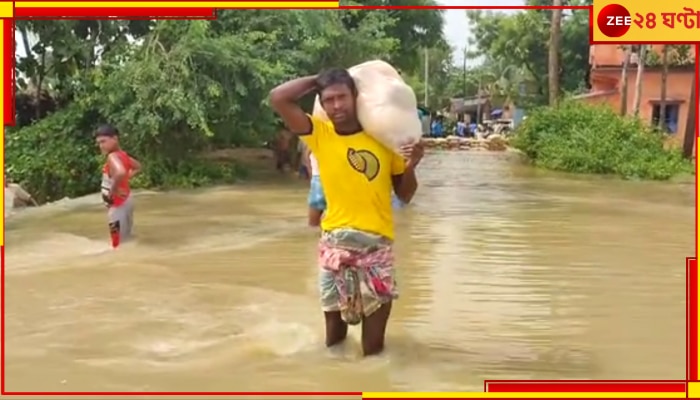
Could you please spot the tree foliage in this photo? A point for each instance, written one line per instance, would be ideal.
(576, 137)
(521, 40)
(177, 88)
(677, 56)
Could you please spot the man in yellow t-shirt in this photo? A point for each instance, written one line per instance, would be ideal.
(358, 174)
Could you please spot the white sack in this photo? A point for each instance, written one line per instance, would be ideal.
(386, 106)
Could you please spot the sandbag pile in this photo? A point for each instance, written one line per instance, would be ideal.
(386, 105)
(493, 143)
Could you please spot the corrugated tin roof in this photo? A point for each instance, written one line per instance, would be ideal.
(459, 104)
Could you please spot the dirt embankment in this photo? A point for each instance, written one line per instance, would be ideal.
(260, 162)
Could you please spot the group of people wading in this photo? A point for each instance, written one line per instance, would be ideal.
(353, 179)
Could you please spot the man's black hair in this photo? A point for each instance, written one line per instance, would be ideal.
(335, 76)
(107, 130)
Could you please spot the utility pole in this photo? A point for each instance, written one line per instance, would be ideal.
(464, 73)
(425, 97)
(478, 100)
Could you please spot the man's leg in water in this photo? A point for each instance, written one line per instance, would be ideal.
(315, 217)
(317, 201)
(127, 231)
(120, 220)
(379, 292)
(336, 328)
(374, 330)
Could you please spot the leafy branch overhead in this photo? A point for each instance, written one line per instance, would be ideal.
(522, 40)
(177, 88)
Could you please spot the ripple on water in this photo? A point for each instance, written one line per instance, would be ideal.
(505, 273)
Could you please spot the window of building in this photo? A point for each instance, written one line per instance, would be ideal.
(671, 117)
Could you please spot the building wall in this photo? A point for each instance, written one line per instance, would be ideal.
(605, 54)
(606, 79)
(612, 54)
(611, 99)
(677, 89)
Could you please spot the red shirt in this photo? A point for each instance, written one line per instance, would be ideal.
(124, 190)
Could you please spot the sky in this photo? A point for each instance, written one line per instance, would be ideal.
(457, 25)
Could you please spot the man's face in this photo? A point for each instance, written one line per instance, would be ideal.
(339, 103)
(107, 143)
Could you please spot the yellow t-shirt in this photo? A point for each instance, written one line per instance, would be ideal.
(355, 172)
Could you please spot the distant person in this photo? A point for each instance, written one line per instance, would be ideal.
(117, 172)
(424, 119)
(472, 129)
(461, 129)
(317, 200)
(280, 146)
(436, 128)
(20, 197)
(356, 277)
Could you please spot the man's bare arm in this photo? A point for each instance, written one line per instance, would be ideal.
(405, 185)
(284, 100)
(135, 167)
(117, 172)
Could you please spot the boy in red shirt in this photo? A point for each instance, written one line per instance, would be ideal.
(116, 192)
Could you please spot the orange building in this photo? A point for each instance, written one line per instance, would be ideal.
(606, 75)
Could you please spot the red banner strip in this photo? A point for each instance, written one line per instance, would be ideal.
(692, 318)
(152, 394)
(2, 311)
(587, 387)
(160, 12)
(8, 73)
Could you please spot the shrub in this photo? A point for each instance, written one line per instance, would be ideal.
(582, 138)
(57, 157)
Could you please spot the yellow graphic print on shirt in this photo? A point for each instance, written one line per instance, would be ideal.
(364, 162)
(356, 174)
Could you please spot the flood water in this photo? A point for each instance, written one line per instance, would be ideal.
(505, 273)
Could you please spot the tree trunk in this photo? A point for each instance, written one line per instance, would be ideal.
(689, 139)
(640, 75)
(624, 89)
(664, 79)
(39, 85)
(25, 42)
(554, 44)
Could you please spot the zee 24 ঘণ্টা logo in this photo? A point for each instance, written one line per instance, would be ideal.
(614, 20)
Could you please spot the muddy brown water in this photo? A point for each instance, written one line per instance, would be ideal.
(505, 273)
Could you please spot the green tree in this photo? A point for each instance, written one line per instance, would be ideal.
(554, 49)
(179, 88)
(440, 70)
(414, 30)
(595, 139)
(522, 39)
(65, 48)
